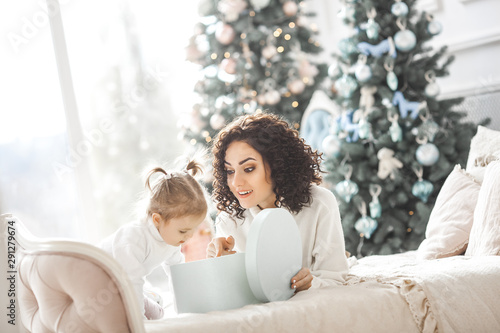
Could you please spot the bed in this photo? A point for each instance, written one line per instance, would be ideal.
(450, 284)
(382, 294)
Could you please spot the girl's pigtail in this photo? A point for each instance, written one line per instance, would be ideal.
(194, 168)
(150, 174)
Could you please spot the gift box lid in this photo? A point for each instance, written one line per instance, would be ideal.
(273, 254)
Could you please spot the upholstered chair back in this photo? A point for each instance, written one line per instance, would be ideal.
(70, 286)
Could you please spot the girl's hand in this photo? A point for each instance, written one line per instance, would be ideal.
(220, 246)
(302, 280)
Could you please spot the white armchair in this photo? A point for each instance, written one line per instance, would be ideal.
(65, 285)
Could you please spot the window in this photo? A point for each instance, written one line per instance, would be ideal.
(76, 172)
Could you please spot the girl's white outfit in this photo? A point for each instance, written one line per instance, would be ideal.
(323, 247)
(139, 248)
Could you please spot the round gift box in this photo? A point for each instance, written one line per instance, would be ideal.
(273, 255)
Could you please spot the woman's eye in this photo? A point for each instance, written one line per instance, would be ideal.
(250, 169)
(229, 172)
(182, 232)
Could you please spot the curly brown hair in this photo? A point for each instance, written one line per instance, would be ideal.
(294, 165)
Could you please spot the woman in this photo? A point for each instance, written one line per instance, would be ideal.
(260, 162)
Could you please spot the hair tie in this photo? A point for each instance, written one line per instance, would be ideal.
(168, 175)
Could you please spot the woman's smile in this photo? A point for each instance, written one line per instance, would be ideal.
(248, 176)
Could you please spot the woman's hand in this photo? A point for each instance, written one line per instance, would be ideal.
(302, 280)
(220, 246)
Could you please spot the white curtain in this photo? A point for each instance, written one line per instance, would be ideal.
(75, 135)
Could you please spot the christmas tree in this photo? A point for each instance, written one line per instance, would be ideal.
(255, 56)
(394, 142)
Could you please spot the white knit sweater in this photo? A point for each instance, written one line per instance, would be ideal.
(139, 248)
(323, 247)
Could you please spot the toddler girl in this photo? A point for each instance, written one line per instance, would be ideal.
(176, 205)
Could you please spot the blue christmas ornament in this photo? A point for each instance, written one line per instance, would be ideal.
(363, 128)
(429, 129)
(377, 50)
(392, 81)
(422, 189)
(347, 188)
(331, 146)
(347, 13)
(427, 154)
(346, 85)
(366, 225)
(434, 28)
(372, 29)
(405, 40)
(347, 46)
(395, 131)
(375, 206)
(375, 209)
(399, 9)
(405, 106)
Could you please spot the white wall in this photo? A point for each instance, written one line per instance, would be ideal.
(472, 33)
(471, 30)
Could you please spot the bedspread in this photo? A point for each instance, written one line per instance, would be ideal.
(456, 294)
(393, 293)
(359, 308)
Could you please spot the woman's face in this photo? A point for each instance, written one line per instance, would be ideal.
(248, 177)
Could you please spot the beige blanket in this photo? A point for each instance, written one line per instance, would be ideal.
(383, 294)
(457, 294)
(367, 307)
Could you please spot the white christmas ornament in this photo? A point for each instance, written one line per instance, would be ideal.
(259, 4)
(224, 33)
(387, 163)
(432, 90)
(206, 7)
(231, 9)
(297, 86)
(405, 40)
(269, 51)
(434, 28)
(333, 69)
(228, 65)
(272, 97)
(363, 73)
(427, 154)
(367, 100)
(261, 99)
(217, 121)
(290, 8)
(307, 70)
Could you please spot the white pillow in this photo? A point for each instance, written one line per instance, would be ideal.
(485, 142)
(450, 221)
(484, 239)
